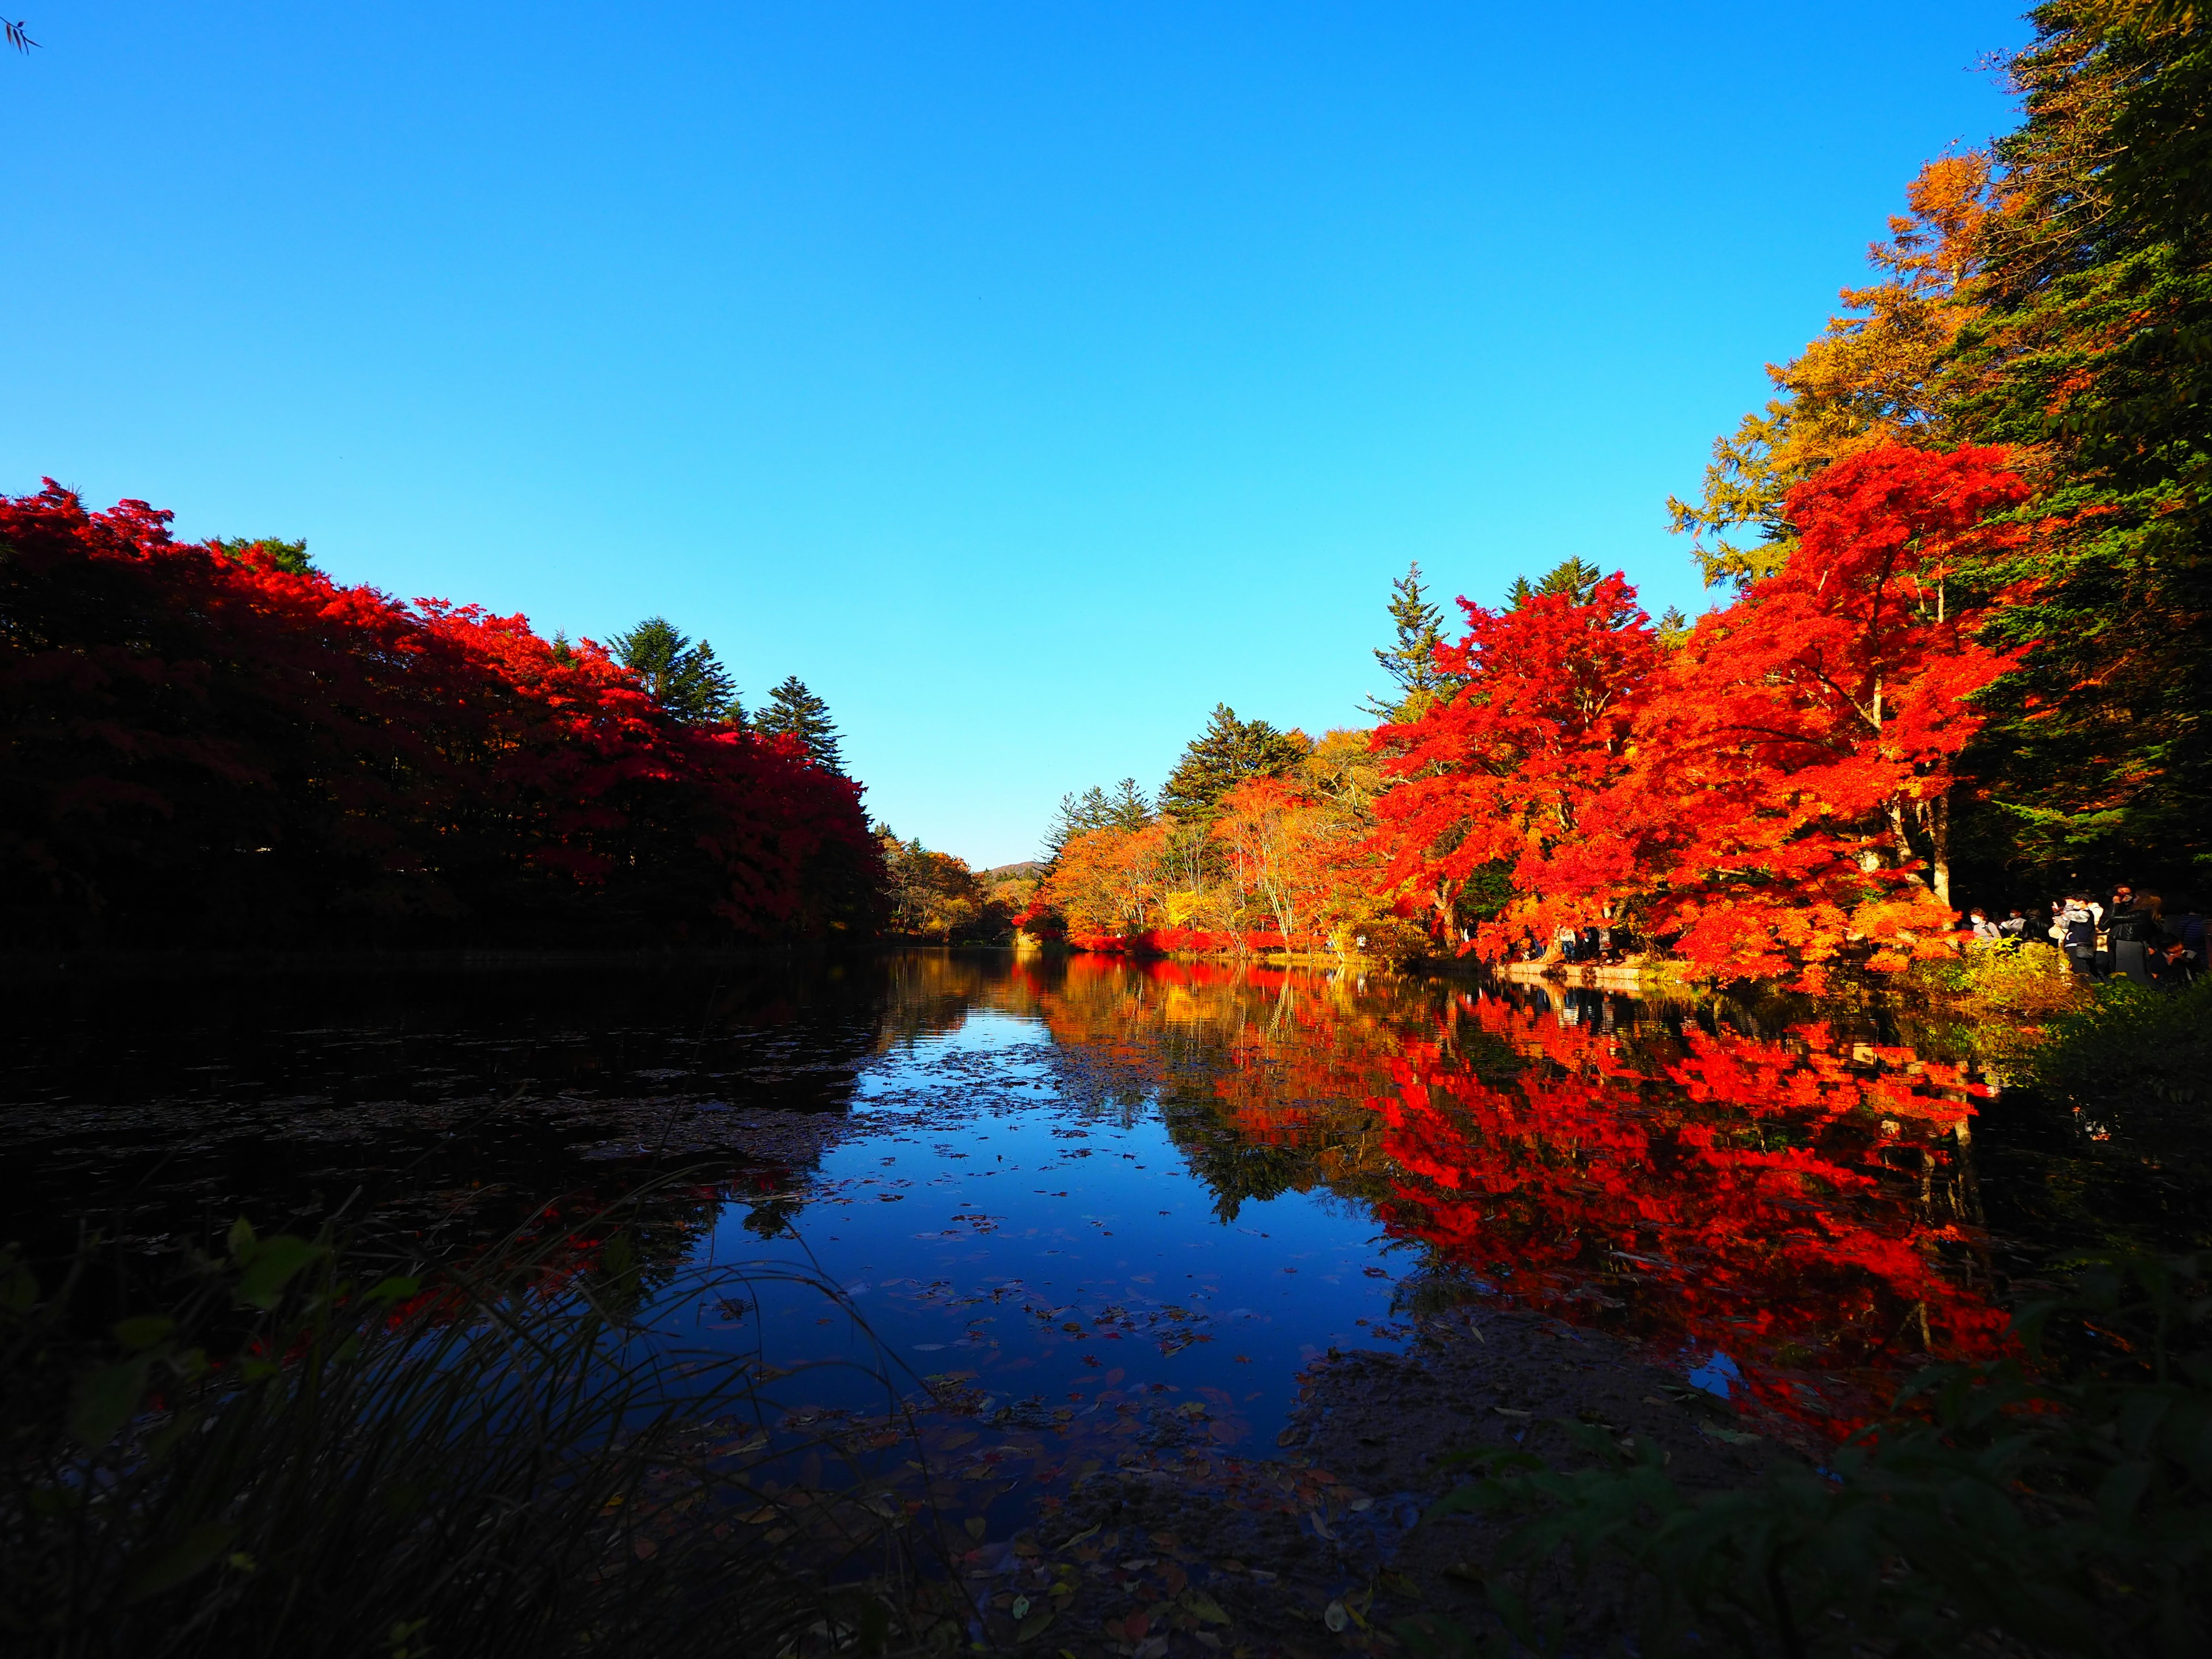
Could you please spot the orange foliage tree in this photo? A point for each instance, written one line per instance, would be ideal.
(1773, 790)
(1794, 760)
(1499, 777)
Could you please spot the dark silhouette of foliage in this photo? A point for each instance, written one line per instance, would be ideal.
(201, 746)
(1574, 579)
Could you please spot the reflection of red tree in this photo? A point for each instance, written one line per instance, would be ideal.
(1744, 1208)
(1774, 1200)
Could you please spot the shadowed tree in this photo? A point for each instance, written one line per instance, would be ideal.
(1576, 578)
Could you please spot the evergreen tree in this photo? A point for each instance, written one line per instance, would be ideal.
(1130, 809)
(2088, 353)
(685, 679)
(1222, 756)
(1094, 809)
(1577, 578)
(794, 711)
(285, 555)
(1411, 659)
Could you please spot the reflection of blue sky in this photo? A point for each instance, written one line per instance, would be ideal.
(977, 1174)
(1718, 1374)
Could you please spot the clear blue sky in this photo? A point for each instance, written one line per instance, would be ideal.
(1025, 378)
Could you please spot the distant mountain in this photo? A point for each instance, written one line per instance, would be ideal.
(1029, 870)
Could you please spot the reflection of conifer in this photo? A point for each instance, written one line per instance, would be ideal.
(685, 679)
(1222, 756)
(1411, 659)
(793, 711)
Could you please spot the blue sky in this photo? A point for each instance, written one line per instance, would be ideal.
(1025, 378)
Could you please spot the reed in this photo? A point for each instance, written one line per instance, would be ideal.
(308, 1450)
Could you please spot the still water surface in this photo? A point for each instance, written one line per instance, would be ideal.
(1055, 1190)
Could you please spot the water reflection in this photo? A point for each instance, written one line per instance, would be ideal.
(1798, 1201)
(1281, 1161)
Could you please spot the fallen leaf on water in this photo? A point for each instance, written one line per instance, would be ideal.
(1205, 1606)
(1733, 1437)
(1336, 1618)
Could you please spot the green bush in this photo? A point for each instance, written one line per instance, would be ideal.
(2062, 1499)
(2132, 1043)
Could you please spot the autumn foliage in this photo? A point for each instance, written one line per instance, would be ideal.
(203, 746)
(1769, 796)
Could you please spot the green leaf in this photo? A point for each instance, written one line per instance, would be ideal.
(19, 1287)
(272, 1266)
(106, 1400)
(144, 1331)
(240, 1241)
(1205, 1606)
(200, 1549)
(397, 1288)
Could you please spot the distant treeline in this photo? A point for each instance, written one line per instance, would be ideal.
(214, 743)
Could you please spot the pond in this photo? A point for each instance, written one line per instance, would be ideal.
(1087, 1213)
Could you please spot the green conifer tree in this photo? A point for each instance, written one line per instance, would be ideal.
(685, 679)
(1577, 578)
(1126, 808)
(1411, 659)
(794, 711)
(1222, 756)
(285, 555)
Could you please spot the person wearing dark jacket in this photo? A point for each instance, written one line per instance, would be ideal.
(2184, 949)
(2133, 929)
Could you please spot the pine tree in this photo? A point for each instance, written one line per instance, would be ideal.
(1094, 809)
(794, 711)
(285, 555)
(1411, 662)
(1222, 756)
(1577, 578)
(1130, 809)
(685, 679)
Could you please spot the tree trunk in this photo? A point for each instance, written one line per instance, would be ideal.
(1939, 842)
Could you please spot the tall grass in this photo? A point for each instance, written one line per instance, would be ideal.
(295, 1457)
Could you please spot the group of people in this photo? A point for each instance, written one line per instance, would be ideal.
(2138, 936)
(1575, 945)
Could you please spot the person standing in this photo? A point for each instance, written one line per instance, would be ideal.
(2077, 933)
(1980, 925)
(2014, 926)
(2132, 929)
(2184, 932)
